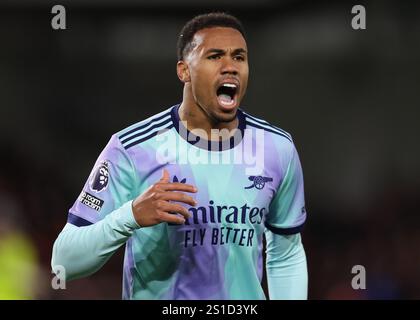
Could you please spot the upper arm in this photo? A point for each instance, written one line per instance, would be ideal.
(112, 183)
(287, 212)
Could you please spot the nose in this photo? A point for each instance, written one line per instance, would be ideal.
(228, 67)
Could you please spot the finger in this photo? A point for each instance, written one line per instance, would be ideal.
(178, 196)
(177, 186)
(175, 208)
(171, 218)
(165, 176)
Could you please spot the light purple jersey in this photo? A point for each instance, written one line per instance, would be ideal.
(246, 185)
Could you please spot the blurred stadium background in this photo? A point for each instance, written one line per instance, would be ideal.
(350, 99)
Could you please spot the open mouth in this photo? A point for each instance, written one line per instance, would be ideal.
(226, 94)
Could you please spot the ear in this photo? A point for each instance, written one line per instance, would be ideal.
(182, 71)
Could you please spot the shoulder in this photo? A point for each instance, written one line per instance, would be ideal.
(278, 143)
(144, 129)
(279, 135)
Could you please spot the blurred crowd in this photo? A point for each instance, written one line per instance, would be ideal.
(384, 241)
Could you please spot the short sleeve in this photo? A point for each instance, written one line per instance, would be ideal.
(110, 185)
(287, 212)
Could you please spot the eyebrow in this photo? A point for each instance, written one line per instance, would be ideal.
(221, 51)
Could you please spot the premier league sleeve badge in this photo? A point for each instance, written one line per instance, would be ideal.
(99, 179)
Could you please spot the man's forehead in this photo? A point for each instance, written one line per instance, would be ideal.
(220, 38)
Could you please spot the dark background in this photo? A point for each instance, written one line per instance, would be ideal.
(350, 98)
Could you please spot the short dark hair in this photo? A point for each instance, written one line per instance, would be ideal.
(208, 20)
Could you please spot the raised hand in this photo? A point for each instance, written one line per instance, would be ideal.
(154, 205)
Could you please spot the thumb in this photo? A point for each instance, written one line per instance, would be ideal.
(165, 176)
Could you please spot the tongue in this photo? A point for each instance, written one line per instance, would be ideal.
(225, 98)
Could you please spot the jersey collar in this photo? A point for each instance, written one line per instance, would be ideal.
(206, 144)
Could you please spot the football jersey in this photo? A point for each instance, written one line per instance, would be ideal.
(247, 184)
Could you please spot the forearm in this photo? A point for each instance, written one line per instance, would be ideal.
(287, 274)
(84, 250)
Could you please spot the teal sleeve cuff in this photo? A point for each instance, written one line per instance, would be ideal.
(84, 250)
(127, 216)
(287, 274)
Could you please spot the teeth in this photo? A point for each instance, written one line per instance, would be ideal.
(229, 85)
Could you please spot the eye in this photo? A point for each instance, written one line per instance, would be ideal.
(214, 57)
(239, 58)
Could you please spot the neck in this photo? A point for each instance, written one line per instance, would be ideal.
(196, 117)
